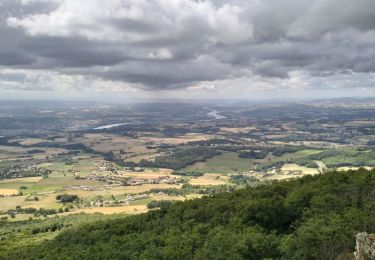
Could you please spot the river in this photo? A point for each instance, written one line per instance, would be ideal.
(109, 126)
(214, 113)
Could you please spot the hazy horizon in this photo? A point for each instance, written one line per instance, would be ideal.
(213, 101)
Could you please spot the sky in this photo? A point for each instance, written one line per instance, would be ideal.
(192, 49)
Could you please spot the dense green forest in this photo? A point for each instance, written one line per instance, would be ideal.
(314, 217)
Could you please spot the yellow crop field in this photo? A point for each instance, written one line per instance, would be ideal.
(237, 129)
(177, 140)
(131, 209)
(8, 192)
(295, 167)
(149, 173)
(210, 179)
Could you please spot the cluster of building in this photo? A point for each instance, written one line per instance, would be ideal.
(254, 174)
(125, 201)
(103, 166)
(274, 171)
(156, 180)
(113, 180)
(293, 172)
(136, 197)
(20, 171)
(85, 187)
(116, 180)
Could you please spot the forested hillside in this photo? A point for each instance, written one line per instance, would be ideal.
(315, 217)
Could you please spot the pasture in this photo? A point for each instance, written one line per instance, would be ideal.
(225, 163)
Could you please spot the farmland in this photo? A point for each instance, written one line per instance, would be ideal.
(118, 159)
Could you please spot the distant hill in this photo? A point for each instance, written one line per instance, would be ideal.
(314, 217)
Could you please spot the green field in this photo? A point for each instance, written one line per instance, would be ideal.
(308, 152)
(231, 163)
(55, 182)
(225, 163)
(15, 185)
(302, 169)
(82, 166)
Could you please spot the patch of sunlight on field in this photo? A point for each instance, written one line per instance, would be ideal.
(8, 192)
(319, 144)
(45, 201)
(294, 167)
(131, 209)
(31, 141)
(210, 179)
(166, 197)
(194, 196)
(280, 177)
(149, 173)
(237, 129)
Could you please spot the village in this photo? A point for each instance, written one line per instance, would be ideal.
(114, 178)
(289, 171)
(111, 203)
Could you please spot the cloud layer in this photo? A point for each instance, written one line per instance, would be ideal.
(157, 45)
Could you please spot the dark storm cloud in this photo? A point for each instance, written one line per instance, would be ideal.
(174, 44)
(14, 58)
(172, 74)
(60, 52)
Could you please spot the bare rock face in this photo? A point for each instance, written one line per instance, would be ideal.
(365, 246)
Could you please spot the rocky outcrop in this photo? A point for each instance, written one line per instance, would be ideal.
(365, 246)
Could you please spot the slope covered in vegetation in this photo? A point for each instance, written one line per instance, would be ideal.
(315, 217)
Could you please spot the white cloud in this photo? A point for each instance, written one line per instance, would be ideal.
(162, 54)
(108, 20)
